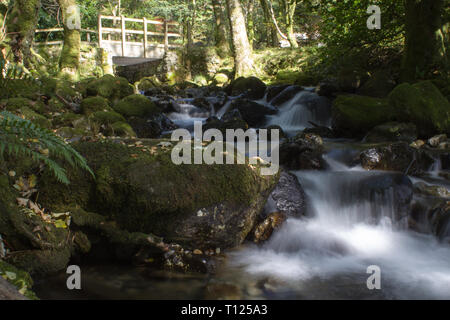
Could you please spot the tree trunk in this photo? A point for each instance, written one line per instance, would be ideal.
(70, 55)
(289, 7)
(272, 38)
(250, 23)
(243, 61)
(190, 24)
(21, 25)
(221, 28)
(424, 43)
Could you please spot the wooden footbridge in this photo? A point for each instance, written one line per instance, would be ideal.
(128, 40)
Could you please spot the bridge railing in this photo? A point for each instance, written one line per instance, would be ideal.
(119, 39)
(162, 30)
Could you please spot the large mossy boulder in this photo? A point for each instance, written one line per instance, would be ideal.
(424, 105)
(94, 104)
(200, 206)
(354, 115)
(136, 105)
(110, 87)
(251, 87)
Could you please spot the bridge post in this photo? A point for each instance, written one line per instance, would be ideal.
(123, 36)
(166, 36)
(145, 37)
(100, 31)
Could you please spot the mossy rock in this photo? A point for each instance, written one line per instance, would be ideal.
(106, 117)
(221, 79)
(198, 205)
(65, 119)
(94, 104)
(15, 104)
(136, 105)
(66, 90)
(110, 87)
(251, 87)
(354, 115)
(379, 85)
(69, 133)
(424, 105)
(147, 83)
(122, 129)
(36, 118)
(18, 278)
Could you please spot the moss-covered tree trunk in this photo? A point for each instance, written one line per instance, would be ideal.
(272, 37)
(424, 44)
(243, 60)
(222, 43)
(250, 22)
(70, 55)
(289, 12)
(21, 25)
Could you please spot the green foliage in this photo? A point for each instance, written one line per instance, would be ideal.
(22, 137)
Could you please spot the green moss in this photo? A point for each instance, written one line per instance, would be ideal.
(356, 115)
(65, 119)
(14, 104)
(424, 105)
(148, 83)
(136, 106)
(29, 114)
(20, 279)
(122, 129)
(148, 192)
(110, 87)
(94, 104)
(106, 117)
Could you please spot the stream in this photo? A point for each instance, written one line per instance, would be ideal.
(322, 256)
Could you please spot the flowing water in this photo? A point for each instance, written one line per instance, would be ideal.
(323, 256)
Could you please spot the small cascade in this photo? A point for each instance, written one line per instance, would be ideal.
(305, 106)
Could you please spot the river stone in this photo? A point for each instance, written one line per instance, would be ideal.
(392, 131)
(143, 190)
(252, 112)
(303, 152)
(251, 88)
(288, 196)
(273, 91)
(397, 156)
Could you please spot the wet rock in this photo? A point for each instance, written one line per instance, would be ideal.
(273, 91)
(396, 157)
(431, 190)
(379, 85)
(288, 197)
(327, 88)
(302, 152)
(324, 132)
(231, 120)
(251, 88)
(264, 229)
(392, 131)
(252, 112)
(286, 95)
(165, 103)
(437, 140)
(319, 107)
(439, 219)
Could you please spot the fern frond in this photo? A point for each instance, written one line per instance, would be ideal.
(22, 137)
